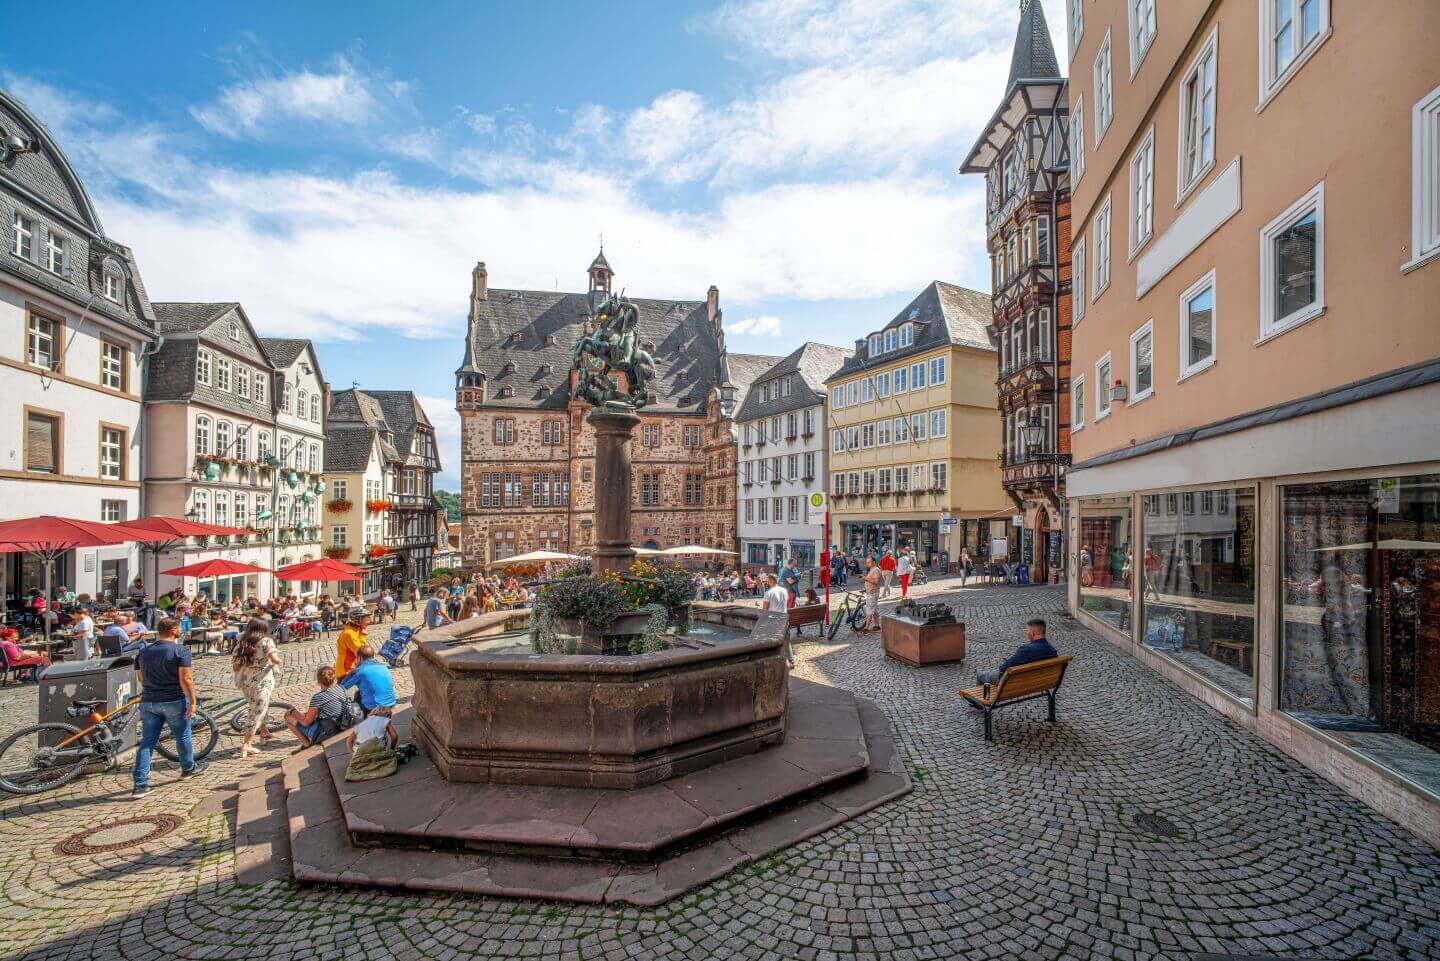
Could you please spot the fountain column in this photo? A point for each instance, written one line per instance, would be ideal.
(613, 432)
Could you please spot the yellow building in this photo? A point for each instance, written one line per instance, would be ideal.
(912, 432)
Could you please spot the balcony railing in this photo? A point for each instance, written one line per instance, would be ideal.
(1032, 357)
(410, 500)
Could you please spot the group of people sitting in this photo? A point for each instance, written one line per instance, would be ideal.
(462, 600)
(725, 586)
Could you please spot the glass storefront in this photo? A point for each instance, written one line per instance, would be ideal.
(1360, 638)
(1104, 566)
(1197, 583)
(876, 537)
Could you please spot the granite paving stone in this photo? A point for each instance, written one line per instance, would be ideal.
(1031, 838)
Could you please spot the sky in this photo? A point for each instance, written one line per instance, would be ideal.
(339, 168)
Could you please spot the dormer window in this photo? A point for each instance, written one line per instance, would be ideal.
(507, 391)
(54, 252)
(112, 287)
(546, 370)
(549, 340)
(876, 346)
(889, 341)
(509, 368)
(907, 335)
(515, 337)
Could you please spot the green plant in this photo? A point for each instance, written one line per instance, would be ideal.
(594, 599)
(667, 585)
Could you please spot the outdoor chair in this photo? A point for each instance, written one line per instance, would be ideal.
(1017, 685)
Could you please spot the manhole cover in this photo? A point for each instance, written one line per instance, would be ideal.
(118, 836)
(1158, 824)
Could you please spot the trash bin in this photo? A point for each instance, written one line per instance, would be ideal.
(110, 678)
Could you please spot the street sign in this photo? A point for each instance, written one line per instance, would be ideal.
(815, 507)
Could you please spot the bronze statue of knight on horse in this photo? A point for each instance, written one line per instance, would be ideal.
(614, 347)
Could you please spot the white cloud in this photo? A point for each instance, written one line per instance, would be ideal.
(341, 96)
(766, 325)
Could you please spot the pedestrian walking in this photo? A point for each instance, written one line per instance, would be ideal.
(872, 599)
(167, 699)
(254, 665)
(887, 572)
(904, 564)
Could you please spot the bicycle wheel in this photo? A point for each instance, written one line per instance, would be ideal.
(857, 617)
(274, 717)
(204, 733)
(28, 765)
(835, 620)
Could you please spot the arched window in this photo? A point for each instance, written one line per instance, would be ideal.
(315, 465)
(315, 408)
(262, 504)
(222, 437)
(222, 508)
(282, 509)
(302, 403)
(242, 509)
(297, 511)
(299, 456)
(286, 395)
(203, 426)
(262, 445)
(284, 450)
(200, 506)
(242, 443)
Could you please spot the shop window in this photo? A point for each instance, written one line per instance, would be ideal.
(1197, 588)
(1360, 634)
(1104, 560)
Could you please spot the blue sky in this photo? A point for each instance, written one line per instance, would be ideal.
(339, 168)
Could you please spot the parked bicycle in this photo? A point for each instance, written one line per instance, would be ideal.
(852, 611)
(47, 756)
(274, 716)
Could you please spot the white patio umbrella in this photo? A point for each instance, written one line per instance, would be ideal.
(697, 550)
(535, 557)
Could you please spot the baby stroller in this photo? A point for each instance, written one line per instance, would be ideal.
(396, 651)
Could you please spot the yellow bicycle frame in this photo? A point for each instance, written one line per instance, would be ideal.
(94, 725)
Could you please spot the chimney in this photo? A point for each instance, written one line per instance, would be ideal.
(712, 303)
(860, 346)
(480, 281)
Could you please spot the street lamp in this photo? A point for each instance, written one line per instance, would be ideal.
(1034, 432)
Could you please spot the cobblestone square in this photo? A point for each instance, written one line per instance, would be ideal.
(1142, 825)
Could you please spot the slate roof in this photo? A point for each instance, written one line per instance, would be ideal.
(187, 326)
(536, 366)
(282, 351)
(946, 315)
(347, 448)
(1034, 55)
(180, 318)
(813, 362)
(392, 415)
(41, 184)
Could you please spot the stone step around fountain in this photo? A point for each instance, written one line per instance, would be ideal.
(592, 845)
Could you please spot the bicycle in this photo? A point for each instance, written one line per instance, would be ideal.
(854, 613)
(274, 716)
(43, 757)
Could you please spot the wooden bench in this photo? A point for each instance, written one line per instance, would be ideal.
(802, 614)
(1019, 684)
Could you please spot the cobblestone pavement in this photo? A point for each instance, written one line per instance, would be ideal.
(1033, 846)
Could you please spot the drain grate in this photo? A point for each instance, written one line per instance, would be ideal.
(1157, 824)
(118, 835)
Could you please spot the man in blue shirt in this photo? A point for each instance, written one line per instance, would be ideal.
(435, 609)
(790, 579)
(167, 699)
(372, 678)
(1036, 648)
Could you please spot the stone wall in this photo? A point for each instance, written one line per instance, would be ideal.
(566, 450)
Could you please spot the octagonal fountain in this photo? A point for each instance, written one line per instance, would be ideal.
(624, 758)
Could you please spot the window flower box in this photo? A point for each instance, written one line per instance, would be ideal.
(375, 506)
(339, 506)
(377, 550)
(337, 553)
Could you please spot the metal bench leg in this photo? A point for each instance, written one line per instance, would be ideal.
(1051, 698)
(988, 735)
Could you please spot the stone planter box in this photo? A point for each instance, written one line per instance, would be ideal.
(921, 644)
(502, 714)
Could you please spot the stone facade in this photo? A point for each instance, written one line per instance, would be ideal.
(528, 454)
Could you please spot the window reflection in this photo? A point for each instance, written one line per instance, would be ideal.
(1104, 560)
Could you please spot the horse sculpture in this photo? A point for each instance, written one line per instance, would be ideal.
(614, 347)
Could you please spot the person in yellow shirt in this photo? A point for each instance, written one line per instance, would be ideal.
(350, 640)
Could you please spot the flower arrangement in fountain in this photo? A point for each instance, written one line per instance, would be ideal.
(575, 594)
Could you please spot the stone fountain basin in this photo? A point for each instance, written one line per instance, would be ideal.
(488, 709)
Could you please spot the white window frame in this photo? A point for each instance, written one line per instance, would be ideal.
(837, 396)
(1075, 18)
(939, 369)
(1077, 281)
(1187, 369)
(112, 454)
(55, 252)
(202, 366)
(1271, 80)
(112, 286)
(900, 378)
(23, 245)
(1270, 325)
(112, 365)
(1043, 240)
(1103, 70)
(1077, 140)
(907, 335)
(1210, 50)
(1102, 387)
(1425, 179)
(939, 418)
(1138, 52)
(1104, 241)
(1142, 194)
(1136, 396)
(1077, 404)
(889, 340)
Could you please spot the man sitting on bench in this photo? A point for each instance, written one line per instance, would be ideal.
(1036, 648)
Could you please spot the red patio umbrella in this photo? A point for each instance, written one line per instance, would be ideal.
(214, 568)
(322, 569)
(48, 536)
(168, 533)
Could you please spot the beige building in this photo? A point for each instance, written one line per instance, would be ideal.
(1255, 493)
(912, 432)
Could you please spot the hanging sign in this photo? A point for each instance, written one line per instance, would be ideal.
(815, 507)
